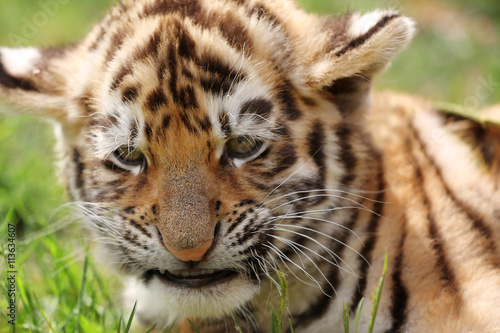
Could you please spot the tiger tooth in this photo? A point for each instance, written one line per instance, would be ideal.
(162, 271)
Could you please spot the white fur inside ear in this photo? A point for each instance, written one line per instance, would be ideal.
(361, 24)
(20, 62)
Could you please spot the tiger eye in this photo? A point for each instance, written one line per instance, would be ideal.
(129, 155)
(243, 147)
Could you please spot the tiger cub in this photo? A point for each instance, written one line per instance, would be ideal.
(217, 142)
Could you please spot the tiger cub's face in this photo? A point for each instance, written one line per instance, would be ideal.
(205, 140)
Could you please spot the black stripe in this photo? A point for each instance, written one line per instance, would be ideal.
(187, 46)
(477, 220)
(259, 106)
(237, 222)
(286, 157)
(187, 8)
(316, 141)
(231, 28)
(140, 228)
(151, 47)
(166, 121)
(217, 206)
(187, 98)
(366, 252)
(187, 123)
(134, 240)
(263, 13)
(363, 38)
(148, 130)
(216, 66)
(218, 76)
(129, 94)
(287, 99)
(447, 274)
(348, 94)
(79, 169)
(172, 64)
(320, 307)
(156, 100)
(12, 82)
(399, 291)
(115, 45)
(130, 210)
(346, 154)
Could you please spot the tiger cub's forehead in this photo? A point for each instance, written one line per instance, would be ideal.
(171, 73)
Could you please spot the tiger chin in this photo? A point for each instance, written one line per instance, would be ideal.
(214, 143)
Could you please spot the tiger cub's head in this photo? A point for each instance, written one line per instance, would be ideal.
(199, 135)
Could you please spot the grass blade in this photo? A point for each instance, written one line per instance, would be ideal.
(238, 328)
(358, 313)
(346, 316)
(274, 282)
(194, 327)
(119, 330)
(376, 296)
(82, 292)
(276, 318)
(152, 328)
(130, 319)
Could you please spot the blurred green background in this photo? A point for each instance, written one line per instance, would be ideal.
(455, 58)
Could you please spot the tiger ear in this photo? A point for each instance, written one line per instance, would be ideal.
(356, 46)
(33, 81)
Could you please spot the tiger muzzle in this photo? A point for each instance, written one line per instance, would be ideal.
(187, 223)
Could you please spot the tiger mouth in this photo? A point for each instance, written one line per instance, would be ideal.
(194, 278)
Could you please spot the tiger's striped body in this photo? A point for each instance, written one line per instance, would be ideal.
(214, 142)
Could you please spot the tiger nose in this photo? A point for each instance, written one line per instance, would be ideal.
(195, 253)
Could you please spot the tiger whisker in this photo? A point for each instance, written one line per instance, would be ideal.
(325, 196)
(48, 230)
(301, 268)
(287, 179)
(317, 211)
(283, 257)
(295, 249)
(108, 241)
(282, 217)
(295, 245)
(325, 190)
(330, 252)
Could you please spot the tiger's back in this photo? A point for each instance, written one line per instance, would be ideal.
(216, 142)
(442, 176)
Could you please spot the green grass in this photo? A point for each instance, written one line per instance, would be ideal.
(60, 286)
(377, 294)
